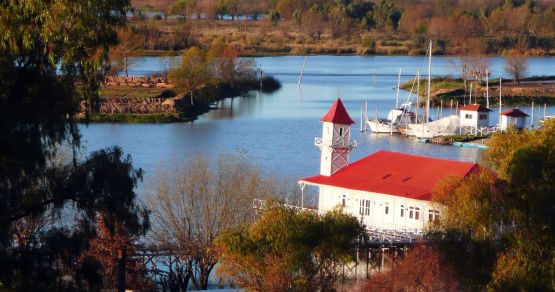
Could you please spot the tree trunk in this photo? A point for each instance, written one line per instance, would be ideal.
(126, 64)
(192, 98)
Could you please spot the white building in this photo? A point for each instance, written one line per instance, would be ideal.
(386, 190)
(513, 117)
(474, 115)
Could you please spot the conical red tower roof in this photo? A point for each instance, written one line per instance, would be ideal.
(338, 114)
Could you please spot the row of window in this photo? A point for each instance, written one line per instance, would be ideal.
(413, 212)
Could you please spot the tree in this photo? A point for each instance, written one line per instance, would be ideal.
(285, 247)
(192, 206)
(52, 55)
(274, 17)
(422, 269)
(386, 14)
(193, 73)
(508, 213)
(516, 66)
(130, 41)
(104, 249)
(182, 7)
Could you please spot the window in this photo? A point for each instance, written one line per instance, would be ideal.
(433, 216)
(386, 208)
(340, 132)
(364, 207)
(343, 201)
(414, 213)
(402, 211)
(417, 213)
(468, 116)
(483, 117)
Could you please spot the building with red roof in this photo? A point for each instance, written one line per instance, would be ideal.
(474, 116)
(386, 190)
(513, 118)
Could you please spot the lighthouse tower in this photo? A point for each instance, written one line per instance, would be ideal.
(335, 144)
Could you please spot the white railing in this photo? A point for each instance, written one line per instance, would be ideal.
(403, 235)
(339, 143)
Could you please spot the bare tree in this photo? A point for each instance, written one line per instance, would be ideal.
(130, 41)
(517, 67)
(193, 205)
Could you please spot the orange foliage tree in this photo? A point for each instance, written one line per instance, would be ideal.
(104, 249)
(422, 269)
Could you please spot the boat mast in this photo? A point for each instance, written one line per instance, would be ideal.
(398, 87)
(429, 83)
(500, 103)
(487, 88)
(417, 93)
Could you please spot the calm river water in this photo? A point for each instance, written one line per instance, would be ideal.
(276, 131)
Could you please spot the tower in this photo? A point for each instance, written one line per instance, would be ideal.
(335, 144)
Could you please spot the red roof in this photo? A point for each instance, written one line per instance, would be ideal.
(514, 113)
(338, 114)
(394, 173)
(475, 108)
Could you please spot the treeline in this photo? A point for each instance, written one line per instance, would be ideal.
(492, 26)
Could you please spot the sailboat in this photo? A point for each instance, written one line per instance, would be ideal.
(397, 118)
(430, 129)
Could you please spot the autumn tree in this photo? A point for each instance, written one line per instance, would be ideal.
(52, 56)
(423, 268)
(182, 7)
(192, 73)
(285, 247)
(104, 249)
(505, 218)
(197, 202)
(516, 66)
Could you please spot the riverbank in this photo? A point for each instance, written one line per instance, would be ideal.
(538, 89)
(124, 102)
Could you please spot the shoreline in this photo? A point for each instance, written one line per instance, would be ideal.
(167, 53)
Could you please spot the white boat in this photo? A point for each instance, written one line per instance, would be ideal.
(396, 120)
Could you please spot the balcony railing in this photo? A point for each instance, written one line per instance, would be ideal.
(342, 143)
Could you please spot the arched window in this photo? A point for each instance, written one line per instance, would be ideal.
(343, 201)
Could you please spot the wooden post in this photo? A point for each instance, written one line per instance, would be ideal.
(122, 258)
(302, 72)
(361, 118)
(532, 117)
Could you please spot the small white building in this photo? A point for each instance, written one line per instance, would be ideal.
(386, 190)
(513, 117)
(474, 115)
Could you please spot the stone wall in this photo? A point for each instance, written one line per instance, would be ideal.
(130, 105)
(138, 81)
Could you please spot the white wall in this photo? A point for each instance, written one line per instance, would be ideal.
(518, 122)
(474, 120)
(333, 159)
(331, 197)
